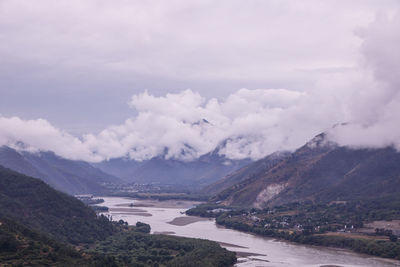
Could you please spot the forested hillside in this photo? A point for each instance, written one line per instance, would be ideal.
(33, 203)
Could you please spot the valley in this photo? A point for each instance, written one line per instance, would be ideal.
(321, 194)
(40, 226)
(200, 133)
(251, 249)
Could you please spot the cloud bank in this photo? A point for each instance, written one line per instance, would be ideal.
(183, 125)
(251, 123)
(376, 108)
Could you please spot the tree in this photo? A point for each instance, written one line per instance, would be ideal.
(393, 238)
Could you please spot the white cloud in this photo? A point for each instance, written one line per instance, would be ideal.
(189, 126)
(41, 135)
(186, 125)
(376, 106)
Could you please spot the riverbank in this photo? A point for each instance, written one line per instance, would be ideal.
(251, 250)
(379, 248)
(339, 226)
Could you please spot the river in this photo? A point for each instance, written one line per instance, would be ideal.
(252, 250)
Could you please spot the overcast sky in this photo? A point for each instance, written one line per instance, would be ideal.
(267, 74)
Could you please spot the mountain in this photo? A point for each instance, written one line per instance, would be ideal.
(123, 168)
(320, 171)
(73, 177)
(34, 204)
(244, 173)
(199, 172)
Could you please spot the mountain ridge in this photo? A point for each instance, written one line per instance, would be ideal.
(245, 173)
(73, 177)
(200, 172)
(319, 171)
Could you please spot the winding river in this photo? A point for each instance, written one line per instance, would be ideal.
(168, 217)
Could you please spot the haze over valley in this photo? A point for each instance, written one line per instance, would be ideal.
(131, 131)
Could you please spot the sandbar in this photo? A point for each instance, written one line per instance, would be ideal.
(230, 245)
(182, 221)
(164, 233)
(139, 205)
(143, 214)
(127, 210)
(169, 204)
(243, 254)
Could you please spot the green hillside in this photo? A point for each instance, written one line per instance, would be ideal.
(33, 203)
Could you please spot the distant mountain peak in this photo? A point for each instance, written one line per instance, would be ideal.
(320, 141)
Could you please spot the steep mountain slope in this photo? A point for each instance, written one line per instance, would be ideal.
(320, 171)
(246, 172)
(33, 203)
(73, 177)
(200, 172)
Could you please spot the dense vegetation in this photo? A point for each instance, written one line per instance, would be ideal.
(336, 224)
(381, 248)
(20, 245)
(133, 247)
(40, 226)
(33, 203)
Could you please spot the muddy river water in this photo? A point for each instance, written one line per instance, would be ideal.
(168, 217)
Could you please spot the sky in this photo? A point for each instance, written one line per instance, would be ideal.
(94, 80)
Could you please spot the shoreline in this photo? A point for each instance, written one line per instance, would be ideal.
(395, 262)
(187, 220)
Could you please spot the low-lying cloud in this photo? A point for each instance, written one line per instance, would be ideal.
(250, 123)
